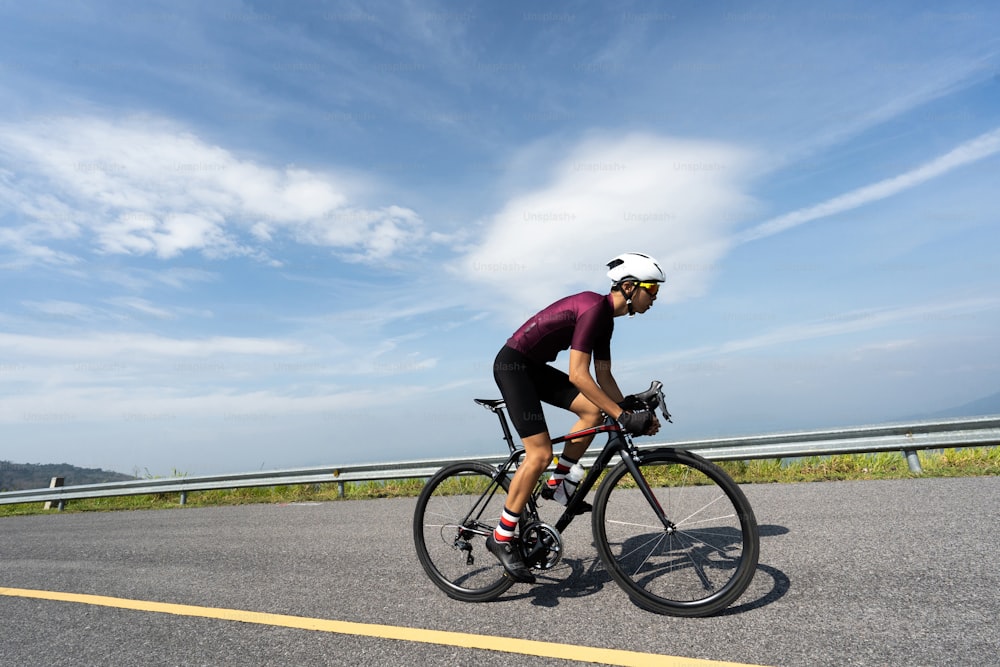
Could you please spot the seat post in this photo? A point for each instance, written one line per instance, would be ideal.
(502, 416)
(496, 406)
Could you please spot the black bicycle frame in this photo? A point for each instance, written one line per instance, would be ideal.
(618, 443)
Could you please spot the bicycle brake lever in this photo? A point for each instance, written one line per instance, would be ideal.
(653, 397)
(663, 403)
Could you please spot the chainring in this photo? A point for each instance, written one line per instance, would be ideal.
(541, 545)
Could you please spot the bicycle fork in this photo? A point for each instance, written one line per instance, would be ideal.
(630, 457)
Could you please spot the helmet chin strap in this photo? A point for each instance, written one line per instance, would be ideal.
(628, 298)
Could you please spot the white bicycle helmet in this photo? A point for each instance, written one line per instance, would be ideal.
(635, 266)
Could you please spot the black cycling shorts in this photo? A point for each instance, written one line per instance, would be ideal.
(525, 384)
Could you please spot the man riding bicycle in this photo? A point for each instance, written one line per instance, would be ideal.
(582, 323)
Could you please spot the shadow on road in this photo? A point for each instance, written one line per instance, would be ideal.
(781, 581)
(577, 578)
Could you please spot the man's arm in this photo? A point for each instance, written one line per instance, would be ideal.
(579, 375)
(607, 382)
(604, 389)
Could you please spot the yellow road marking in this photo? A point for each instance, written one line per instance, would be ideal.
(485, 642)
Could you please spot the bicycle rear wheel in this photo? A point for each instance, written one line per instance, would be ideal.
(456, 511)
(699, 563)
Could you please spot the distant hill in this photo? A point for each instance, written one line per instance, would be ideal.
(983, 406)
(17, 476)
(990, 405)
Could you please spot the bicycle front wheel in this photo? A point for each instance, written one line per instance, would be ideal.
(456, 511)
(698, 560)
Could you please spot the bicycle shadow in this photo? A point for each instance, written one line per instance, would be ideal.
(782, 584)
(572, 578)
(583, 577)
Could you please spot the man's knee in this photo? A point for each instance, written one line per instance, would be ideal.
(586, 411)
(590, 414)
(538, 454)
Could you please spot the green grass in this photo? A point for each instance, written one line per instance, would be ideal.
(967, 462)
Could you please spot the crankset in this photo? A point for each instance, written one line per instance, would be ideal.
(541, 545)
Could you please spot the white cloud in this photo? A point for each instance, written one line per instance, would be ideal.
(377, 234)
(845, 324)
(151, 347)
(142, 186)
(67, 311)
(981, 147)
(60, 309)
(138, 279)
(143, 307)
(76, 404)
(674, 199)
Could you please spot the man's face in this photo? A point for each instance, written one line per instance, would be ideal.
(643, 296)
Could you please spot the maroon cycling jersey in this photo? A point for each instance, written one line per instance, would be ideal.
(582, 322)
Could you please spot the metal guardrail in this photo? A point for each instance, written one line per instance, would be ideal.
(907, 438)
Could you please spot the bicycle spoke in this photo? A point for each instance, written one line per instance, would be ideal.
(659, 540)
(701, 539)
(452, 520)
(637, 525)
(639, 547)
(711, 520)
(695, 566)
(442, 515)
(702, 509)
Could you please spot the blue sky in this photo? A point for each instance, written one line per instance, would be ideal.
(242, 235)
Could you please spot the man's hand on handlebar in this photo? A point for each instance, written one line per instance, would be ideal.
(654, 428)
(643, 422)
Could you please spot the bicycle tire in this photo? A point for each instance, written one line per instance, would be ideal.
(699, 567)
(450, 525)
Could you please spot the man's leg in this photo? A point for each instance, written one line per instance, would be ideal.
(537, 457)
(588, 416)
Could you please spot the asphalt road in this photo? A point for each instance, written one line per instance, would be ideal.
(851, 573)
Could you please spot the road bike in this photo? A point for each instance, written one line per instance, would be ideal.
(671, 528)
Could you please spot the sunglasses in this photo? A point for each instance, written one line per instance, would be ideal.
(652, 288)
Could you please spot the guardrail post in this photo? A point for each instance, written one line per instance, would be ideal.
(184, 497)
(56, 483)
(913, 461)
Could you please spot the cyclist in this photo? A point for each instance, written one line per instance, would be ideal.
(582, 323)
